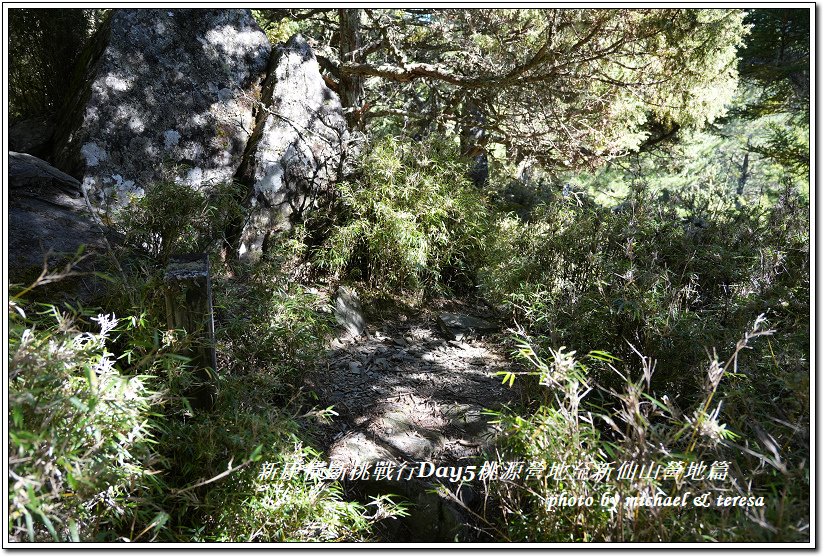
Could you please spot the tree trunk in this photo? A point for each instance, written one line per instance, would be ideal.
(351, 85)
(745, 172)
(473, 141)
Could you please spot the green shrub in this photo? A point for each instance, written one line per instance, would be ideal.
(670, 286)
(104, 447)
(592, 433)
(175, 218)
(251, 508)
(411, 221)
(267, 322)
(669, 281)
(81, 429)
(170, 218)
(107, 446)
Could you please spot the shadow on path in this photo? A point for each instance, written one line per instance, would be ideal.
(405, 394)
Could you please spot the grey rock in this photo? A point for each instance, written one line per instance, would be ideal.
(355, 447)
(297, 148)
(348, 311)
(412, 445)
(29, 172)
(457, 326)
(48, 222)
(459, 344)
(436, 519)
(167, 94)
(33, 136)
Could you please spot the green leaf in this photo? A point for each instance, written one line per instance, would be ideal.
(29, 525)
(256, 453)
(47, 523)
(104, 276)
(657, 403)
(91, 376)
(77, 403)
(508, 376)
(17, 416)
(603, 356)
(160, 520)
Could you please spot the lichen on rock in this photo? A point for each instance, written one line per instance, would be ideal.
(298, 146)
(200, 98)
(166, 94)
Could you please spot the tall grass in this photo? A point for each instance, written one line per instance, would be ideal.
(594, 433)
(661, 287)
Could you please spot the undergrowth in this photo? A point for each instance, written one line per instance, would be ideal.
(105, 443)
(661, 287)
(670, 286)
(595, 462)
(411, 221)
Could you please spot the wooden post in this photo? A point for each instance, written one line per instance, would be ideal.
(188, 293)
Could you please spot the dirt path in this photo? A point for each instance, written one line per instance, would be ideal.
(406, 394)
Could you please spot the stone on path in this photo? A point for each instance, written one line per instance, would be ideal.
(348, 311)
(458, 326)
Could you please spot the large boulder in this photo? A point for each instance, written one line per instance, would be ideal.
(33, 136)
(163, 94)
(27, 171)
(48, 222)
(297, 148)
(199, 97)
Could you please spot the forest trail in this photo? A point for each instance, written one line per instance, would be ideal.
(406, 394)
